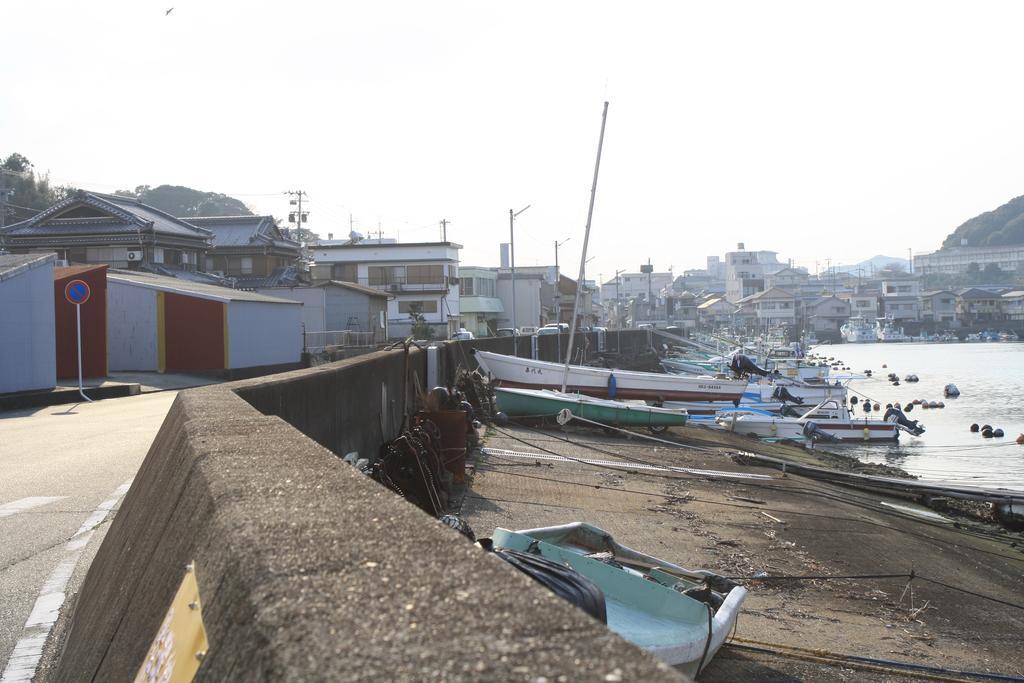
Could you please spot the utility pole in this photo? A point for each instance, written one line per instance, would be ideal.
(297, 217)
(444, 229)
(512, 262)
(910, 260)
(618, 300)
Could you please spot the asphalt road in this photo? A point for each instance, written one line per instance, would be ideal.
(62, 473)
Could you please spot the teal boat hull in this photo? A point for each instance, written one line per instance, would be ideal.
(642, 593)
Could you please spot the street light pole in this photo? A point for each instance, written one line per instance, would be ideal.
(558, 299)
(512, 248)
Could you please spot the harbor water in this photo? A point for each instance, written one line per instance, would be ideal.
(990, 377)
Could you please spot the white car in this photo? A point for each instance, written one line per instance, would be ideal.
(463, 333)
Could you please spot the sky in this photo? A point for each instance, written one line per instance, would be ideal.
(821, 130)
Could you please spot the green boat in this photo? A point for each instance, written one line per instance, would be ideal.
(548, 403)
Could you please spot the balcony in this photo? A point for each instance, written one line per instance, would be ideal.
(399, 285)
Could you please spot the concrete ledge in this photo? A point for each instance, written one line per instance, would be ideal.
(53, 397)
(309, 570)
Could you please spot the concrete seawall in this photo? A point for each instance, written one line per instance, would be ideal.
(307, 569)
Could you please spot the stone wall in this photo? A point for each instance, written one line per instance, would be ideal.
(307, 569)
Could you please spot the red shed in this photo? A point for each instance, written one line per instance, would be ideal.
(94, 322)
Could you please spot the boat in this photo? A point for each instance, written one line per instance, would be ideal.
(886, 331)
(548, 403)
(858, 330)
(830, 417)
(526, 373)
(679, 615)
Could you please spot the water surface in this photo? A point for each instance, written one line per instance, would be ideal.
(991, 381)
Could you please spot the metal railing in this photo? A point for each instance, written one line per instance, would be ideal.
(316, 342)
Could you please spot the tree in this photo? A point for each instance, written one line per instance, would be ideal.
(421, 329)
(973, 273)
(17, 163)
(29, 194)
(993, 274)
(892, 269)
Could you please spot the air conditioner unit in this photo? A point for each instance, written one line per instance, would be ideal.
(135, 256)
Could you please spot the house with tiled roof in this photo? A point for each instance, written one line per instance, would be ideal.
(1013, 305)
(122, 232)
(252, 250)
(773, 306)
(975, 305)
(827, 314)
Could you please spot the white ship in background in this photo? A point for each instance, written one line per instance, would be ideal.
(858, 331)
(886, 331)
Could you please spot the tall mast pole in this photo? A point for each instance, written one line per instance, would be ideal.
(583, 256)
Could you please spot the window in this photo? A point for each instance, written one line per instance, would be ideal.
(246, 265)
(344, 272)
(466, 286)
(484, 287)
(425, 275)
(417, 306)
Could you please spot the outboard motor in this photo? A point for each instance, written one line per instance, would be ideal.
(897, 416)
(782, 394)
(744, 365)
(816, 433)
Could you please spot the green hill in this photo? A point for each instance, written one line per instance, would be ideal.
(184, 201)
(998, 228)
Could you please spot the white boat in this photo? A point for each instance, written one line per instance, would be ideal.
(525, 373)
(830, 417)
(858, 330)
(886, 331)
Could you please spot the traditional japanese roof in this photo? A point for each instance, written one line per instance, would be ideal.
(978, 293)
(352, 286)
(244, 231)
(773, 293)
(15, 264)
(90, 213)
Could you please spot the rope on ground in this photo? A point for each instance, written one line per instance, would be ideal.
(909, 576)
(924, 671)
(848, 498)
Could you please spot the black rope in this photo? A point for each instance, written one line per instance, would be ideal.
(822, 577)
(850, 499)
(707, 643)
(910, 577)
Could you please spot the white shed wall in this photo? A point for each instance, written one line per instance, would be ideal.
(264, 334)
(131, 328)
(314, 315)
(28, 354)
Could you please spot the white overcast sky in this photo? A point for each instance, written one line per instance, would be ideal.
(817, 129)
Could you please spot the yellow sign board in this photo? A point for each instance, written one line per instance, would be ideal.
(180, 644)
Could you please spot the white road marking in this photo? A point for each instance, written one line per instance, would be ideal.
(21, 667)
(16, 506)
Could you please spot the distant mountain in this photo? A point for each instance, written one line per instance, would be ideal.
(874, 264)
(186, 202)
(997, 228)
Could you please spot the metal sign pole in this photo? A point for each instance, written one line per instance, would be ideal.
(78, 317)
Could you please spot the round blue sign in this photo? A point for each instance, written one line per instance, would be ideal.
(77, 291)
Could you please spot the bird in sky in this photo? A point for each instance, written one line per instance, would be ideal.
(168, 11)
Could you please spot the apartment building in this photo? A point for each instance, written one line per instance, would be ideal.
(422, 278)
